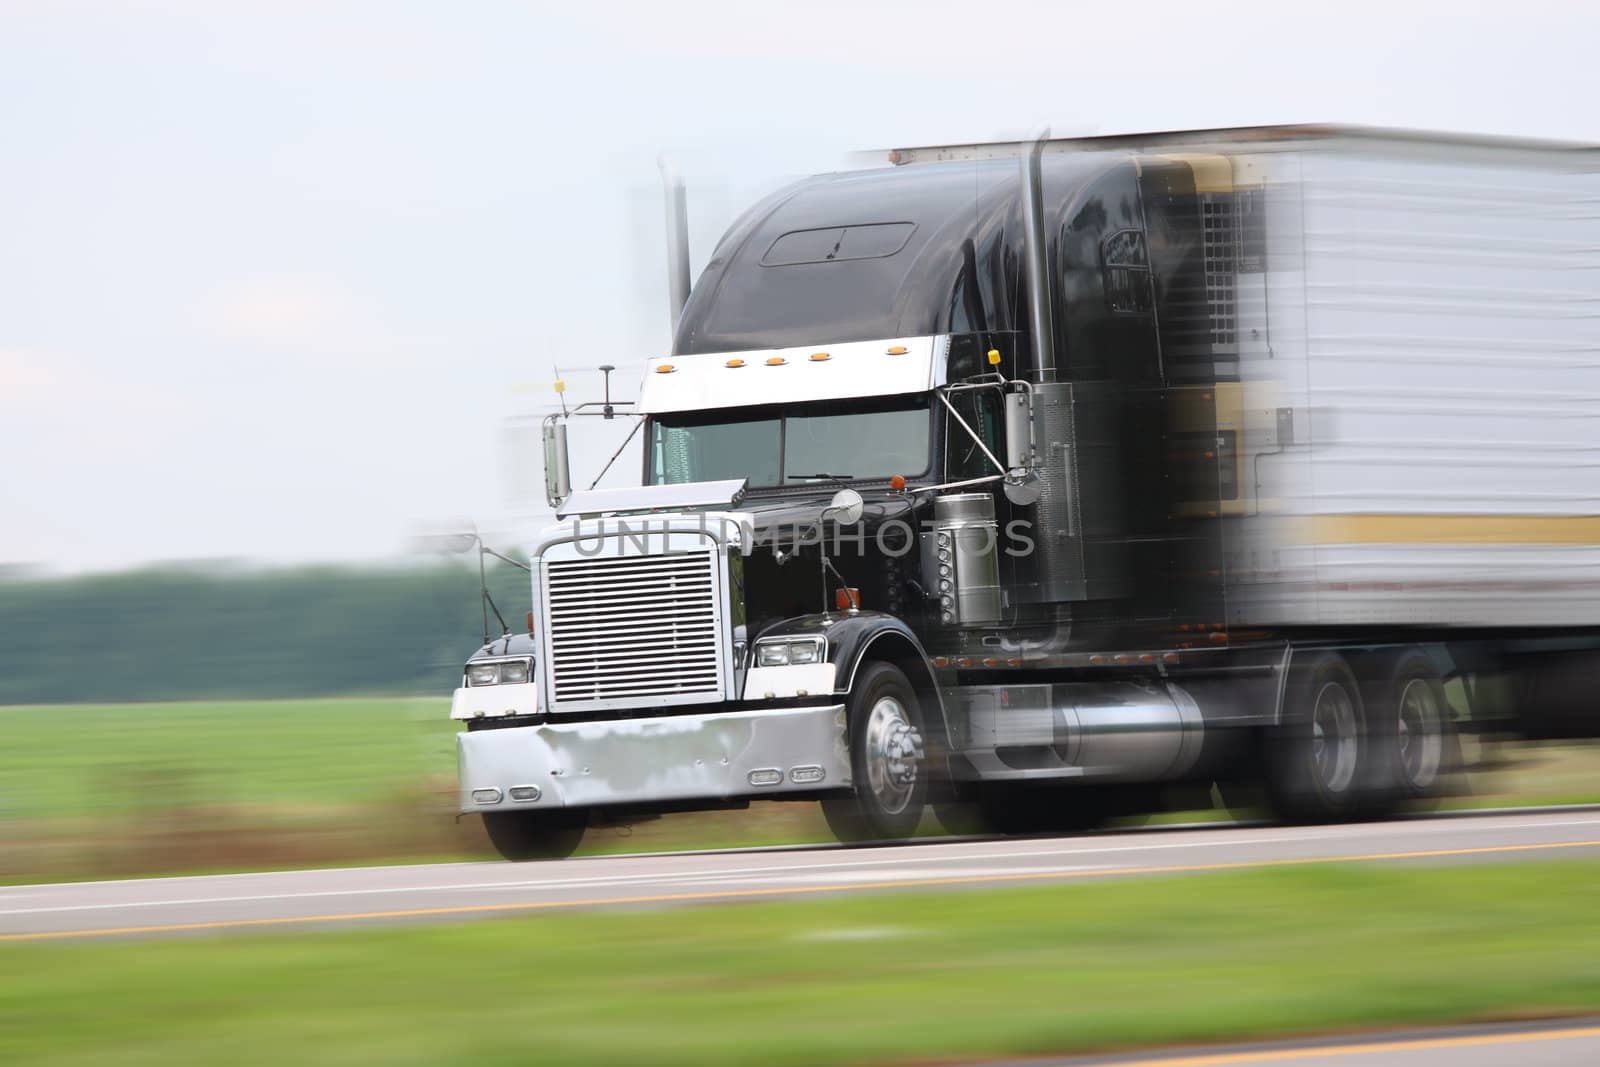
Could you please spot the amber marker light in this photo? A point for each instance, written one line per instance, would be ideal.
(994, 357)
(776, 361)
(820, 357)
(897, 482)
(665, 368)
(847, 599)
(734, 363)
(897, 350)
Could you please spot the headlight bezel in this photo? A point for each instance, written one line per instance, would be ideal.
(512, 670)
(784, 651)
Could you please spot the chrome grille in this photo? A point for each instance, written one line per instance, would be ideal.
(634, 628)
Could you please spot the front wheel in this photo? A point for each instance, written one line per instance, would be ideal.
(888, 760)
(536, 835)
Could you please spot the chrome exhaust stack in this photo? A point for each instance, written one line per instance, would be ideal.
(677, 203)
(1037, 256)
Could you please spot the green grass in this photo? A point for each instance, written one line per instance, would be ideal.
(110, 790)
(872, 979)
(83, 760)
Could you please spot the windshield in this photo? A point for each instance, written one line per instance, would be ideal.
(793, 445)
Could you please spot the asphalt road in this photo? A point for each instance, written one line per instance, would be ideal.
(463, 890)
(1552, 1043)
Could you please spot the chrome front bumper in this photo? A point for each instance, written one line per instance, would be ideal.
(707, 756)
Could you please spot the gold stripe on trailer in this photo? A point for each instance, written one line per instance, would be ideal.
(1376, 529)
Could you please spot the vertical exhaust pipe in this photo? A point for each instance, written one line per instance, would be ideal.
(1036, 251)
(677, 238)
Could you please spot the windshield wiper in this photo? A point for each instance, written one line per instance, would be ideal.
(828, 477)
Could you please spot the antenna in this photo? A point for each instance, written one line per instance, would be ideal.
(606, 369)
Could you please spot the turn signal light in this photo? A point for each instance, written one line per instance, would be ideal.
(847, 599)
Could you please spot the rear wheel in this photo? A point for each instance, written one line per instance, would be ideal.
(888, 760)
(536, 835)
(1417, 722)
(1320, 759)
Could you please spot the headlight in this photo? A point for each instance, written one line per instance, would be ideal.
(784, 651)
(509, 672)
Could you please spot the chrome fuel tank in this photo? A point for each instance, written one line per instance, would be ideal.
(1126, 731)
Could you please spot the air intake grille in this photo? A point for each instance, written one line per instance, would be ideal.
(1221, 252)
(634, 628)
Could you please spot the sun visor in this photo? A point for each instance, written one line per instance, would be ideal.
(891, 367)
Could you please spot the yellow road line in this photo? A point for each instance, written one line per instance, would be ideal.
(778, 891)
(1369, 1048)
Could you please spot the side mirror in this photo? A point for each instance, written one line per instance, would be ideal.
(557, 477)
(847, 507)
(1022, 482)
(1019, 430)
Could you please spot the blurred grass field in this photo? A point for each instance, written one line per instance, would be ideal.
(907, 978)
(135, 789)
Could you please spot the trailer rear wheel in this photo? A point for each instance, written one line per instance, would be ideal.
(1320, 758)
(1417, 722)
(536, 835)
(887, 760)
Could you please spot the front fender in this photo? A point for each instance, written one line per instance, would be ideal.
(853, 639)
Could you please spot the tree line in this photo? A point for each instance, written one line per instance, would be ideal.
(187, 633)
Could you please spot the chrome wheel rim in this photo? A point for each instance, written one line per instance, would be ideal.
(894, 755)
(1421, 734)
(1334, 737)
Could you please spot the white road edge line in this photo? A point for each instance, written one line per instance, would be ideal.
(891, 867)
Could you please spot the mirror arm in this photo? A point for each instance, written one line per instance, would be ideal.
(517, 563)
(618, 452)
(1001, 467)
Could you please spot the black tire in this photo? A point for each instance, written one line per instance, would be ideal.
(1320, 759)
(1412, 717)
(536, 835)
(888, 760)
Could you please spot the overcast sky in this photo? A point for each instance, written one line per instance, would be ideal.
(273, 277)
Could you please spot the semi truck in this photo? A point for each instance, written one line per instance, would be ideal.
(1038, 482)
